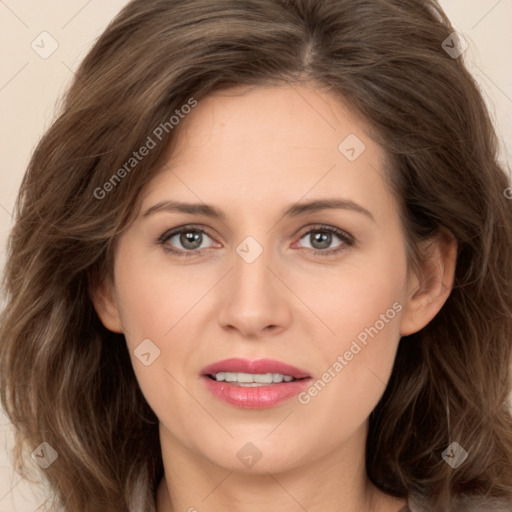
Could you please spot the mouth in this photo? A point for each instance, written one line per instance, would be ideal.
(265, 371)
(256, 384)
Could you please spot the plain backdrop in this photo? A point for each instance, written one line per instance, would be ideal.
(43, 43)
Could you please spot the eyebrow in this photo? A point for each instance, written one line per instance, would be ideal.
(295, 210)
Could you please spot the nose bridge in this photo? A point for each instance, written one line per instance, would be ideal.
(251, 275)
(253, 300)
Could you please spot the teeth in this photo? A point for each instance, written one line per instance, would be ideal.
(252, 379)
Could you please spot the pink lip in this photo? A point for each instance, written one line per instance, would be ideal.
(260, 397)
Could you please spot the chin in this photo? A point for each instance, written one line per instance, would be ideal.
(250, 458)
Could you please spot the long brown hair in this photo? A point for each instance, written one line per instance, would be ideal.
(68, 381)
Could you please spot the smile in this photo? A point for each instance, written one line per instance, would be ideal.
(258, 384)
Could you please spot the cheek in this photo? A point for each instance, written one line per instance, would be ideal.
(363, 308)
(370, 310)
(157, 302)
(354, 376)
(151, 303)
(367, 356)
(153, 298)
(355, 297)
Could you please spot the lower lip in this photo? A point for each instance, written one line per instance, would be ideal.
(260, 397)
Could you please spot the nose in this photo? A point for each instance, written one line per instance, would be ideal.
(255, 301)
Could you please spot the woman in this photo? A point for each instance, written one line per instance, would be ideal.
(261, 261)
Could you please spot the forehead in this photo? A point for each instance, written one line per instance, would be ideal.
(247, 146)
(279, 116)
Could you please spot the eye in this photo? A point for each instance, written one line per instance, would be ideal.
(190, 238)
(321, 238)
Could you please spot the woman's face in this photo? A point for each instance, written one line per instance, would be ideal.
(265, 278)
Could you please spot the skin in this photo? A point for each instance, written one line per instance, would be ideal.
(252, 153)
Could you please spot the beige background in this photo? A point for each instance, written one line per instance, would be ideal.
(30, 86)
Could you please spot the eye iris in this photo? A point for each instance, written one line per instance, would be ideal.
(192, 237)
(324, 238)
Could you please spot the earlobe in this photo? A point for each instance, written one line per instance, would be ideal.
(105, 304)
(429, 291)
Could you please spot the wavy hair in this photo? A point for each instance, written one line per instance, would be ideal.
(68, 381)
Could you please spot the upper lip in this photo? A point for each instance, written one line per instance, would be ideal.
(237, 365)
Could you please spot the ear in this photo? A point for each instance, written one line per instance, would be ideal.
(104, 301)
(428, 291)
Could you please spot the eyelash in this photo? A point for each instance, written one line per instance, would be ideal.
(347, 239)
